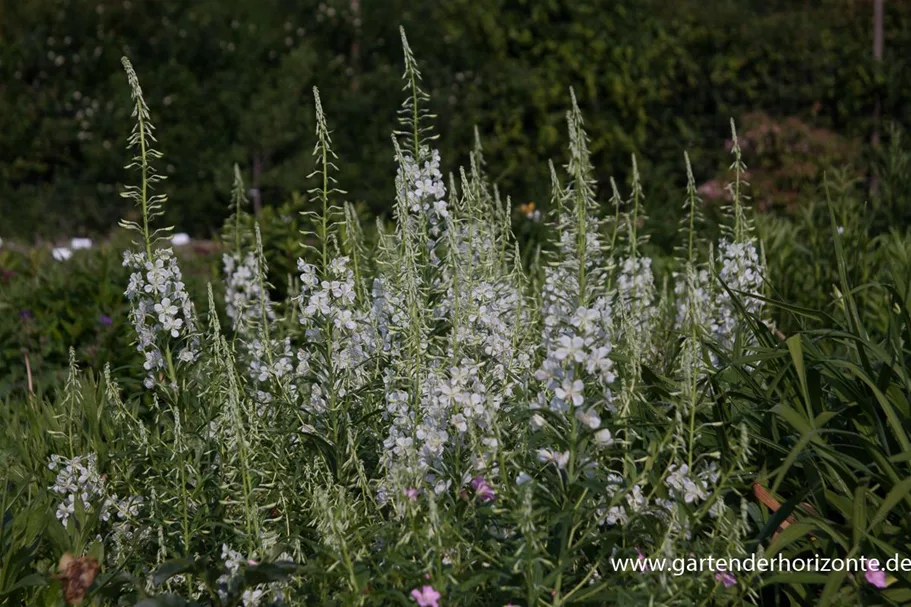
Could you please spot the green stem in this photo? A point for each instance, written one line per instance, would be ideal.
(145, 181)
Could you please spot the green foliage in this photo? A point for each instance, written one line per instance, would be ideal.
(47, 306)
(832, 408)
(232, 81)
(892, 167)
(417, 410)
(803, 267)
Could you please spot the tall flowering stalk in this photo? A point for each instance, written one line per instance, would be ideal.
(705, 293)
(406, 293)
(269, 361)
(331, 307)
(161, 310)
(740, 267)
(238, 429)
(576, 305)
(488, 350)
(635, 283)
(694, 314)
(244, 297)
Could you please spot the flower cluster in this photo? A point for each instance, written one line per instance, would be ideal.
(561, 293)
(494, 314)
(695, 301)
(271, 369)
(741, 271)
(582, 345)
(161, 311)
(635, 301)
(388, 314)
(341, 334)
(634, 501)
(419, 183)
(399, 445)
(243, 297)
(684, 487)
(705, 305)
(692, 489)
(234, 562)
(418, 435)
(78, 480)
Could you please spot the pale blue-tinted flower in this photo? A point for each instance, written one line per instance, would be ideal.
(571, 391)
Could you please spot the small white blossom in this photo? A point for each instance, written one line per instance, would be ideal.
(61, 253)
(571, 391)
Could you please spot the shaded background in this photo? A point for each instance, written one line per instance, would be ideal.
(230, 81)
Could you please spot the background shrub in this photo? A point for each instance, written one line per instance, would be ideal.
(231, 79)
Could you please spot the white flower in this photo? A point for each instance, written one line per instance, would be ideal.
(571, 390)
(682, 485)
(570, 347)
(547, 456)
(603, 438)
(616, 515)
(165, 309)
(589, 417)
(180, 239)
(172, 325)
(61, 253)
(78, 479)
(458, 421)
(81, 243)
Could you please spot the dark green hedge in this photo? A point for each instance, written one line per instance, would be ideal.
(230, 81)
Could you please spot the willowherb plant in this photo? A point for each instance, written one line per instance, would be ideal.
(578, 308)
(704, 298)
(422, 421)
(161, 310)
(242, 292)
(244, 296)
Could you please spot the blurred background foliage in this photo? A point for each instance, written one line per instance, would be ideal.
(230, 81)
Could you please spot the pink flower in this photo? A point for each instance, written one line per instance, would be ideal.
(725, 578)
(712, 190)
(412, 494)
(875, 575)
(641, 557)
(426, 597)
(483, 490)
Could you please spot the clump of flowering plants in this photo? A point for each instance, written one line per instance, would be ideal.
(424, 420)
